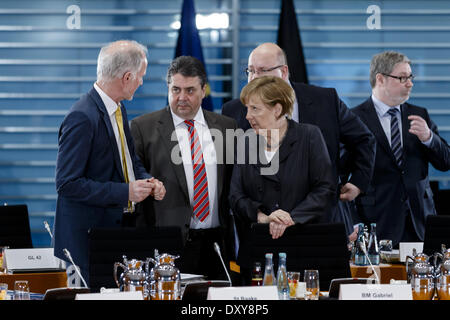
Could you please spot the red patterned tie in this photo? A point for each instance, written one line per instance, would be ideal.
(201, 198)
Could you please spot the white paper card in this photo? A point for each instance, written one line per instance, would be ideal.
(127, 295)
(31, 259)
(358, 291)
(243, 293)
(406, 249)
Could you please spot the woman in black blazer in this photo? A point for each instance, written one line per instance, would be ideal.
(283, 172)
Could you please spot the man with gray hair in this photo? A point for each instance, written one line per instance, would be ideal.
(399, 198)
(99, 177)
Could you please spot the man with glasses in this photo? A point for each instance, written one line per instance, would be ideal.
(321, 107)
(399, 198)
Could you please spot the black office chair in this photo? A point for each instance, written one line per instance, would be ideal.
(437, 232)
(107, 246)
(15, 227)
(198, 291)
(312, 246)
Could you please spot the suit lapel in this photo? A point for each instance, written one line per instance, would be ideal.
(112, 138)
(166, 130)
(220, 148)
(306, 112)
(373, 122)
(405, 129)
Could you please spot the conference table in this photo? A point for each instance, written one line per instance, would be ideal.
(38, 282)
(385, 272)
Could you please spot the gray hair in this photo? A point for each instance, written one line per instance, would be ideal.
(384, 63)
(113, 63)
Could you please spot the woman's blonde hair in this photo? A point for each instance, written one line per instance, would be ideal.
(271, 90)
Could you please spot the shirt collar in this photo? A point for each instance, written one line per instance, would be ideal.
(199, 118)
(382, 108)
(109, 103)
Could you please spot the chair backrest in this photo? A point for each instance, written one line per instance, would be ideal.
(311, 246)
(15, 226)
(437, 232)
(107, 246)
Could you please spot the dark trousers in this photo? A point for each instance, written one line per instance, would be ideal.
(199, 256)
(409, 233)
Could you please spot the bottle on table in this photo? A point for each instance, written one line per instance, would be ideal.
(282, 280)
(269, 275)
(372, 249)
(257, 276)
(360, 247)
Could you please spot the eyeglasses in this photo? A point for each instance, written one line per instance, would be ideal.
(261, 71)
(402, 79)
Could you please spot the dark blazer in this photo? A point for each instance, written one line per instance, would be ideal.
(304, 184)
(154, 144)
(89, 178)
(394, 189)
(323, 107)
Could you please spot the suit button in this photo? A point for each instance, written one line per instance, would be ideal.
(277, 187)
(186, 225)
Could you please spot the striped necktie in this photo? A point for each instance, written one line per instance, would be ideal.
(396, 143)
(119, 121)
(201, 197)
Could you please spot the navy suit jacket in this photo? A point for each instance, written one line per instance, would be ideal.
(323, 107)
(395, 189)
(89, 178)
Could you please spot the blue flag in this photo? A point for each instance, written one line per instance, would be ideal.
(188, 44)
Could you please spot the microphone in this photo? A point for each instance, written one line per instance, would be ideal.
(363, 248)
(47, 227)
(217, 249)
(67, 253)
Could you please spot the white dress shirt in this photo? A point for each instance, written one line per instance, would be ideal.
(111, 108)
(385, 120)
(210, 160)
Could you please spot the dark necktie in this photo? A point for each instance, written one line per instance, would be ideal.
(396, 143)
(201, 197)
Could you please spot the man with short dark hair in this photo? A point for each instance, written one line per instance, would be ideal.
(399, 198)
(185, 146)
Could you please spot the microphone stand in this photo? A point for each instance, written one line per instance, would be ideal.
(217, 249)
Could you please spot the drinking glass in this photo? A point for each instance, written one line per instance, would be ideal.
(3, 291)
(385, 245)
(2, 258)
(293, 279)
(312, 284)
(21, 290)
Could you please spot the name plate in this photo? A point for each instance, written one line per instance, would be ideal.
(126, 295)
(31, 259)
(243, 293)
(375, 292)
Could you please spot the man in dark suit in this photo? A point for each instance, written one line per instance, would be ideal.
(98, 175)
(184, 146)
(399, 198)
(323, 108)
